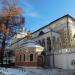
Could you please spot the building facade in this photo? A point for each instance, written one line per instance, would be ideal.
(29, 54)
(58, 40)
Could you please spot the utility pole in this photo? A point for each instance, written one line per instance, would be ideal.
(51, 30)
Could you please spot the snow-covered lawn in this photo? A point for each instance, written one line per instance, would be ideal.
(35, 71)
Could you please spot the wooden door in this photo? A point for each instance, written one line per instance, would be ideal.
(40, 61)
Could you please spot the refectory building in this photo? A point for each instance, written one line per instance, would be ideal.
(58, 40)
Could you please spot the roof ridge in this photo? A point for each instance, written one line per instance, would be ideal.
(67, 15)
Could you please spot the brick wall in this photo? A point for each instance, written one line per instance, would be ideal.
(26, 63)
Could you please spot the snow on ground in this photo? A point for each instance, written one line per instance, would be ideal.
(41, 71)
(35, 71)
(13, 71)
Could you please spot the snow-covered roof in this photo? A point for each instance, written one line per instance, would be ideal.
(32, 44)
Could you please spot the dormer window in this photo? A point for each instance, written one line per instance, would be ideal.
(41, 33)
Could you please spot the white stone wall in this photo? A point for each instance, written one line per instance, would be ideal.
(63, 59)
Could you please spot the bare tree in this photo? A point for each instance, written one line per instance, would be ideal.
(11, 19)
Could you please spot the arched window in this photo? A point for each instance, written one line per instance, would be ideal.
(24, 57)
(53, 42)
(41, 33)
(74, 36)
(43, 42)
(39, 42)
(31, 57)
(20, 57)
(48, 44)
